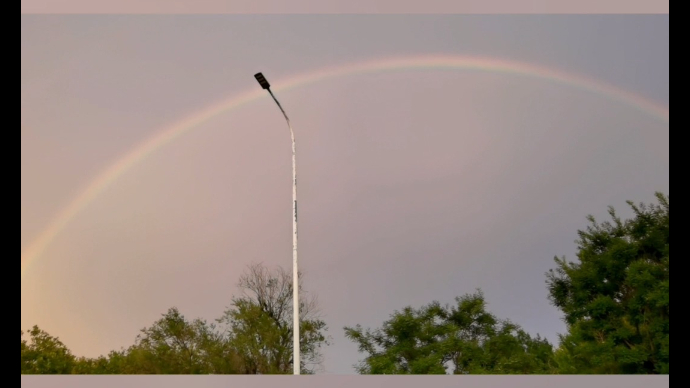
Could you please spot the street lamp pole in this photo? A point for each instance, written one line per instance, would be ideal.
(295, 273)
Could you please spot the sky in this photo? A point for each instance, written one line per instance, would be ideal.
(415, 184)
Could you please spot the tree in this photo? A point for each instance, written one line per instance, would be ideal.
(96, 366)
(174, 345)
(45, 354)
(259, 323)
(257, 339)
(615, 300)
(464, 338)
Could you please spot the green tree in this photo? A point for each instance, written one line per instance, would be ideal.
(97, 366)
(257, 338)
(259, 324)
(615, 299)
(463, 339)
(45, 354)
(175, 345)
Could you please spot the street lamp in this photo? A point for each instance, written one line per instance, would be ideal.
(295, 274)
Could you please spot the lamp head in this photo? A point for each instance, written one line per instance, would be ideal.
(262, 81)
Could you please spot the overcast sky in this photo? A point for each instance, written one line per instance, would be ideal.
(415, 185)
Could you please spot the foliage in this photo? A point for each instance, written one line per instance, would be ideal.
(45, 354)
(257, 338)
(462, 339)
(260, 322)
(616, 298)
(174, 345)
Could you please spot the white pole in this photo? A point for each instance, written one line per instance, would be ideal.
(295, 272)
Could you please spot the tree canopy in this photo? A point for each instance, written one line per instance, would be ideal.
(260, 324)
(615, 299)
(253, 336)
(461, 339)
(45, 354)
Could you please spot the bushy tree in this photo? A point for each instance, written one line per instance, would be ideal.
(175, 345)
(463, 339)
(45, 354)
(260, 323)
(615, 298)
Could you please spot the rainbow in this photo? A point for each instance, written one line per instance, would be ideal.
(172, 132)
